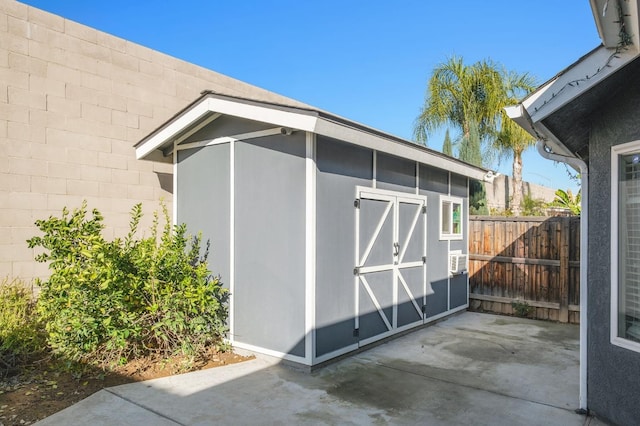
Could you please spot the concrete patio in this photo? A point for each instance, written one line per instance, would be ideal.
(469, 369)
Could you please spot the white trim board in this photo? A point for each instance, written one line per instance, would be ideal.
(232, 238)
(310, 247)
(276, 354)
(227, 139)
(301, 120)
(616, 152)
(558, 92)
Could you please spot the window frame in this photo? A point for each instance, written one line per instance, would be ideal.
(616, 153)
(450, 235)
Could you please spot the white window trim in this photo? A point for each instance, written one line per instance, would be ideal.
(456, 200)
(616, 152)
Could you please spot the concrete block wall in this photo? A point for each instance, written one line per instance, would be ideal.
(499, 193)
(73, 102)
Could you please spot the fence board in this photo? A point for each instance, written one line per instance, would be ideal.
(530, 260)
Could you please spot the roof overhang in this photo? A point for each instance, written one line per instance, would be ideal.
(609, 13)
(558, 112)
(211, 105)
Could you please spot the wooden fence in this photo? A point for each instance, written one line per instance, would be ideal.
(527, 260)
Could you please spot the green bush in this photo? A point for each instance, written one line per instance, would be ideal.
(108, 302)
(521, 309)
(20, 331)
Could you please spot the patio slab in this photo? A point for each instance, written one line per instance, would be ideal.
(469, 369)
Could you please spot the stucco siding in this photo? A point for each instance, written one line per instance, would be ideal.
(613, 385)
(269, 233)
(340, 168)
(203, 197)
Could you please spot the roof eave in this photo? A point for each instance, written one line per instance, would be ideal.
(164, 136)
(300, 119)
(581, 76)
(608, 16)
(565, 88)
(539, 131)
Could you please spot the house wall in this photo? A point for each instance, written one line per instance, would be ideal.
(269, 266)
(204, 190)
(73, 102)
(613, 385)
(340, 168)
(433, 183)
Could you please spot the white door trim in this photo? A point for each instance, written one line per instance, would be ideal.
(393, 199)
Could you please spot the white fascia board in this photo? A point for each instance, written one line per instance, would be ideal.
(264, 114)
(633, 23)
(558, 92)
(538, 130)
(518, 114)
(605, 14)
(260, 113)
(368, 140)
(172, 130)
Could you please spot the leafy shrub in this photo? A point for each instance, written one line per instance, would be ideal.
(566, 200)
(533, 207)
(521, 309)
(20, 331)
(107, 302)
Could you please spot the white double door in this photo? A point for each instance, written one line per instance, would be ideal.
(390, 269)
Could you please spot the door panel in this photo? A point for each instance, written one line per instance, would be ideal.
(411, 231)
(390, 262)
(376, 236)
(376, 303)
(410, 295)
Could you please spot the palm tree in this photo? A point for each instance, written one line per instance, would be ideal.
(471, 99)
(460, 96)
(511, 139)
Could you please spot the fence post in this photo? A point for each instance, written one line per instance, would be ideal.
(565, 239)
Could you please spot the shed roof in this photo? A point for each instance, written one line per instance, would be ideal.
(211, 104)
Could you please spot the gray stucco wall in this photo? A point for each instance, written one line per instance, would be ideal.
(613, 372)
(227, 126)
(203, 201)
(269, 295)
(395, 174)
(340, 168)
(433, 183)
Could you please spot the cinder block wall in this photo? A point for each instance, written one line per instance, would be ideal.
(500, 192)
(73, 102)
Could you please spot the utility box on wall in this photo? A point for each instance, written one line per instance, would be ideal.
(327, 233)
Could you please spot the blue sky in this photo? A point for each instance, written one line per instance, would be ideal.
(368, 61)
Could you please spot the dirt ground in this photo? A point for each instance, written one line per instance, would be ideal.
(45, 388)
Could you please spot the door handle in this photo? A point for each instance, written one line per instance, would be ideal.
(396, 249)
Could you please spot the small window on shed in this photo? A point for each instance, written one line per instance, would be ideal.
(450, 218)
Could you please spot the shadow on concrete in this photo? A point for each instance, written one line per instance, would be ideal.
(468, 369)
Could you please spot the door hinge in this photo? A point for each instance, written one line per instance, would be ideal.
(424, 259)
(356, 270)
(424, 209)
(356, 203)
(356, 332)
